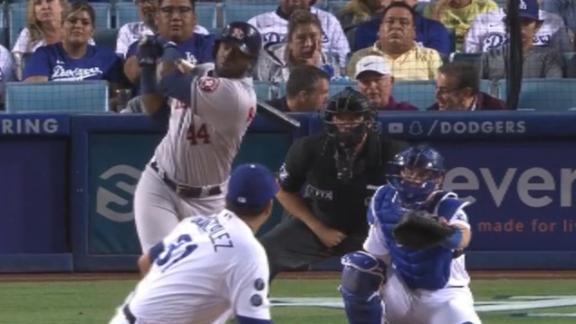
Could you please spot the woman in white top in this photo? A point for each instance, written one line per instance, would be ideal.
(43, 27)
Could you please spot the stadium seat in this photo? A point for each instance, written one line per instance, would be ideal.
(103, 15)
(16, 20)
(545, 94)
(3, 28)
(263, 90)
(106, 38)
(207, 14)
(63, 97)
(336, 6)
(125, 12)
(243, 12)
(420, 93)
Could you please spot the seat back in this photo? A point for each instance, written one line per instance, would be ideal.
(544, 94)
(62, 97)
(243, 12)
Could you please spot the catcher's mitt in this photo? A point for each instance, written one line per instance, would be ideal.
(419, 230)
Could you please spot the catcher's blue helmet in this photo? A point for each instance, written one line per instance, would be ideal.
(422, 162)
(245, 36)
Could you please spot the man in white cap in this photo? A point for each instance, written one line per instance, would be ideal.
(375, 81)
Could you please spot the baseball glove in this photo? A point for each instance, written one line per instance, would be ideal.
(419, 230)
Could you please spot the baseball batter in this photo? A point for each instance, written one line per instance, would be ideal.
(187, 174)
(210, 264)
(428, 286)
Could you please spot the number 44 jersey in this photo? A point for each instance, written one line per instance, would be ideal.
(209, 265)
(204, 135)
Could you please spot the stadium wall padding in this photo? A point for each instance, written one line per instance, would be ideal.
(68, 181)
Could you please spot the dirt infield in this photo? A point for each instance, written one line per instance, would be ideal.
(94, 276)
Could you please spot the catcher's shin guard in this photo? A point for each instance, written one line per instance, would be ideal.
(362, 277)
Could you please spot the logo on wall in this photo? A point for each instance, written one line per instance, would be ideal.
(116, 191)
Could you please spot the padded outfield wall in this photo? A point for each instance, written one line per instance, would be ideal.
(68, 183)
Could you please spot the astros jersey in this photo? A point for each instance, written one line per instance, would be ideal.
(204, 136)
(209, 265)
(274, 28)
(488, 31)
(376, 242)
(52, 61)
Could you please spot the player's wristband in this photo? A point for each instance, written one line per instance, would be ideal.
(452, 241)
(148, 79)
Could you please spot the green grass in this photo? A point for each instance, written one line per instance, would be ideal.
(94, 301)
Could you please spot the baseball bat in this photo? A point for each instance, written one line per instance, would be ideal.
(277, 115)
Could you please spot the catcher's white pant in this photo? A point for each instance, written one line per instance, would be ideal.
(451, 305)
(158, 208)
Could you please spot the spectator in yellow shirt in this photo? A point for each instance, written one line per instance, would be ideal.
(458, 15)
(396, 43)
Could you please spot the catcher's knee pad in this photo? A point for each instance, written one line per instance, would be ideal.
(362, 277)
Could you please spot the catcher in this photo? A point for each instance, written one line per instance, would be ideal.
(413, 264)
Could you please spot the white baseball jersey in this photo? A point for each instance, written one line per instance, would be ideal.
(453, 304)
(133, 31)
(209, 265)
(274, 28)
(488, 31)
(204, 136)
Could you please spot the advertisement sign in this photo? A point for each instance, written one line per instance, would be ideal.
(116, 162)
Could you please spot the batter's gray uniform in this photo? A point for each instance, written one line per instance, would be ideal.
(188, 173)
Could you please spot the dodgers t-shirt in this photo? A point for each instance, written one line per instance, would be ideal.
(52, 61)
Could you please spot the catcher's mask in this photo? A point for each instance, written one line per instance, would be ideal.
(348, 117)
(415, 173)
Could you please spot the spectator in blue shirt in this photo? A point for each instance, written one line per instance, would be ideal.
(74, 58)
(429, 33)
(176, 22)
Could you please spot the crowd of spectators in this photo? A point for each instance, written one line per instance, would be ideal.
(373, 43)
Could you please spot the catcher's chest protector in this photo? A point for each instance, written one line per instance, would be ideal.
(426, 269)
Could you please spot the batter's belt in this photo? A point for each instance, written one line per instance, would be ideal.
(186, 191)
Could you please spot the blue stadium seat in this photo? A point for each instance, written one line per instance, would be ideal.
(62, 97)
(3, 27)
(207, 14)
(125, 12)
(334, 88)
(420, 93)
(262, 89)
(16, 20)
(106, 38)
(336, 6)
(103, 15)
(243, 12)
(545, 94)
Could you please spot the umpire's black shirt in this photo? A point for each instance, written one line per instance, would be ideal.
(310, 169)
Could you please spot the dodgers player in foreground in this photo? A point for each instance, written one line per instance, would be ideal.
(209, 115)
(428, 286)
(210, 264)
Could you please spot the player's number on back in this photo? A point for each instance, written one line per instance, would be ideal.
(176, 251)
(198, 135)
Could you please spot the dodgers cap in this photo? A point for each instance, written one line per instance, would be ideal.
(251, 185)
